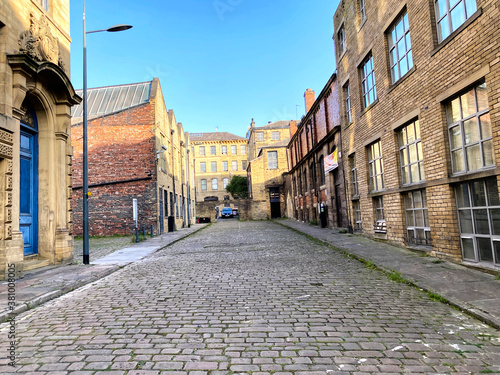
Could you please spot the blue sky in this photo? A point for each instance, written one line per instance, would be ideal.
(220, 62)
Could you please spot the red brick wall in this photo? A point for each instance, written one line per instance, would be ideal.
(120, 147)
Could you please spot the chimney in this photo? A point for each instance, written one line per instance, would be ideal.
(309, 99)
(252, 124)
(293, 127)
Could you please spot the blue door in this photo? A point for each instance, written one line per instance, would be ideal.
(28, 192)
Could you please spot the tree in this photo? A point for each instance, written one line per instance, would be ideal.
(238, 187)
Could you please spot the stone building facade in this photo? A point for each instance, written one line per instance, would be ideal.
(420, 95)
(36, 96)
(268, 165)
(316, 185)
(136, 150)
(218, 156)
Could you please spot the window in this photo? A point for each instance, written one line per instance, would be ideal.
(165, 201)
(479, 218)
(243, 149)
(470, 134)
(214, 184)
(378, 205)
(244, 165)
(225, 182)
(234, 165)
(203, 185)
(305, 180)
(362, 10)
(259, 136)
(368, 82)
(354, 176)
(176, 206)
(213, 166)
(224, 166)
(347, 102)
(400, 52)
(272, 160)
(233, 149)
(322, 170)
(341, 40)
(172, 202)
(275, 136)
(44, 4)
(223, 150)
(410, 154)
(203, 167)
(450, 14)
(212, 150)
(356, 206)
(202, 150)
(299, 191)
(417, 220)
(375, 167)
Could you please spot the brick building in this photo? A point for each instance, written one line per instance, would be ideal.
(35, 129)
(218, 156)
(268, 165)
(136, 150)
(420, 85)
(316, 183)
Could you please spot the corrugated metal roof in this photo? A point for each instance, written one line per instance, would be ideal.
(105, 100)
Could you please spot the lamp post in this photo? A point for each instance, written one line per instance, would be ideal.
(85, 147)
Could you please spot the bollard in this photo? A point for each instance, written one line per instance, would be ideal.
(144, 231)
(136, 234)
(152, 231)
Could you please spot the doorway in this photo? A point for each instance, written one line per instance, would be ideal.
(274, 198)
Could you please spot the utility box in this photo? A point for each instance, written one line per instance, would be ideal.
(171, 223)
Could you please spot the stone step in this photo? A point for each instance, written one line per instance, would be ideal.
(34, 264)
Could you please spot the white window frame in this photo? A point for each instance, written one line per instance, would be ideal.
(275, 136)
(203, 184)
(412, 171)
(213, 166)
(341, 40)
(368, 82)
(234, 150)
(272, 162)
(215, 184)
(223, 150)
(243, 149)
(225, 166)
(347, 102)
(376, 167)
(400, 52)
(213, 150)
(203, 167)
(202, 150)
(444, 20)
(259, 136)
(225, 182)
(417, 218)
(354, 176)
(234, 165)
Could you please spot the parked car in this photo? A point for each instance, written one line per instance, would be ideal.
(227, 212)
(235, 212)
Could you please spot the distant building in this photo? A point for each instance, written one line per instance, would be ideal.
(420, 85)
(268, 165)
(317, 175)
(218, 156)
(136, 150)
(36, 96)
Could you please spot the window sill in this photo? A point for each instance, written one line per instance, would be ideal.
(355, 198)
(363, 21)
(403, 78)
(369, 107)
(452, 36)
(342, 56)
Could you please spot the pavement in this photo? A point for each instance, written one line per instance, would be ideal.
(472, 291)
(44, 284)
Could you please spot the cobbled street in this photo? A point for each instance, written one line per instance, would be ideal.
(249, 297)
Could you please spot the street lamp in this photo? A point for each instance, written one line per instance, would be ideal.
(85, 149)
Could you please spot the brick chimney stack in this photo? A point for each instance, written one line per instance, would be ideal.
(293, 127)
(309, 99)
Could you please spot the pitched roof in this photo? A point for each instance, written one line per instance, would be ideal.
(275, 125)
(214, 136)
(110, 99)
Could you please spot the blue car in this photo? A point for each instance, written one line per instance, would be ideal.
(227, 212)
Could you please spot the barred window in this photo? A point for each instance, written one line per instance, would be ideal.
(417, 219)
(469, 126)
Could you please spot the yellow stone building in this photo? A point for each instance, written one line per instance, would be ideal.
(217, 157)
(35, 150)
(268, 162)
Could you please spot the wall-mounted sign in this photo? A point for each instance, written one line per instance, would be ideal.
(331, 162)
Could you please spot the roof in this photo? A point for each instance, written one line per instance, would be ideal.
(215, 136)
(274, 125)
(110, 99)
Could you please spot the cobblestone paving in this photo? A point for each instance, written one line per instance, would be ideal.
(250, 297)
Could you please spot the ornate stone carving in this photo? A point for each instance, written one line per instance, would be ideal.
(10, 167)
(5, 151)
(8, 232)
(9, 199)
(38, 42)
(8, 212)
(6, 137)
(9, 183)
